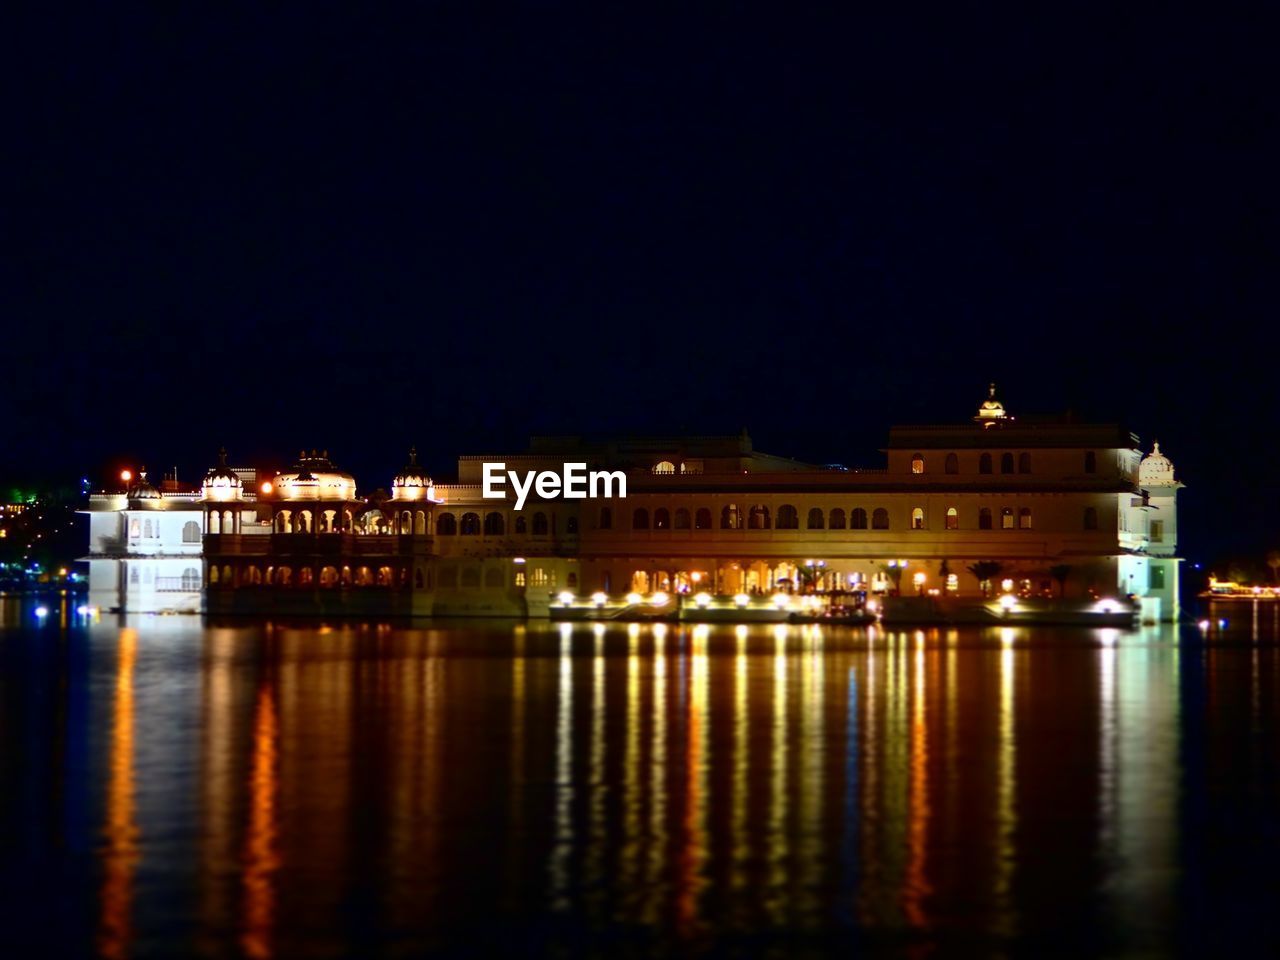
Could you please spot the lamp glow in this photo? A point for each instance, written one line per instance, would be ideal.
(702, 599)
(634, 597)
(41, 612)
(780, 600)
(741, 599)
(599, 597)
(659, 599)
(566, 597)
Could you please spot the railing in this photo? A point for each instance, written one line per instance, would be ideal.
(177, 584)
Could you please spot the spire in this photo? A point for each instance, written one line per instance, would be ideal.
(222, 456)
(413, 456)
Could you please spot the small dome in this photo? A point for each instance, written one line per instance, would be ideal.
(991, 408)
(222, 475)
(314, 477)
(1155, 468)
(412, 482)
(142, 489)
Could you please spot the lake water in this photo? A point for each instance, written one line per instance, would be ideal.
(170, 786)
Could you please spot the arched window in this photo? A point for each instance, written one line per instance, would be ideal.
(857, 519)
(571, 525)
(984, 518)
(788, 518)
(880, 519)
(730, 518)
(640, 519)
(522, 525)
(384, 575)
(984, 463)
(1006, 463)
(191, 532)
(606, 518)
(952, 464)
(446, 525)
(662, 519)
(146, 527)
(1024, 518)
(1090, 462)
(305, 577)
(758, 518)
(494, 526)
(702, 519)
(953, 518)
(328, 577)
(284, 576)
(816, 519)
(1006, 518)
(837, 519)
(664, 467)
(1091, 518)
(917, 518)
(1024, 462)
(190, 579)
(683, 520)
(917, 464)
(470, 526)
(540, 524)
(135, 527)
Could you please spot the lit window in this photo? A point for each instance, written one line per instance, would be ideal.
(1006, 518)
(664, 467)
(953, 519)
(1024, 518)
(917, 518)
(917, 464)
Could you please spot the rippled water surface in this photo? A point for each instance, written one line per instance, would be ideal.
(169, 787)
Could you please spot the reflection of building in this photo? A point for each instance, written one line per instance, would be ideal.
(1049, 507)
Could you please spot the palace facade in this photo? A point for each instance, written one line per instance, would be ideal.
(1031, 508)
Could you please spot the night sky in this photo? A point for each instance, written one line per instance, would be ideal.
(353, 230)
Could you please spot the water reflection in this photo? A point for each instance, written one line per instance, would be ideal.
(554, 787)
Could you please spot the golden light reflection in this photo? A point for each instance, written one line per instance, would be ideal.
(598, 831)
(122, 851)
(916, 886)
(741, 838)
(561, 851)
(1006, 789)
(779, 846)
(261, 859)
(657, 839)
(631, 764)
(693, 860)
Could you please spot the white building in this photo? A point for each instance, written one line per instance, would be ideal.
(146, 545)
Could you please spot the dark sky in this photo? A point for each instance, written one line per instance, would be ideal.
(359, 230)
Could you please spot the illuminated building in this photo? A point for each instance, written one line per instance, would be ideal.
(145, 543)
(1051, 508)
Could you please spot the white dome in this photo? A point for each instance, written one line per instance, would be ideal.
(1155, 468)
(313, 477)
(412, 482)
(221, 482)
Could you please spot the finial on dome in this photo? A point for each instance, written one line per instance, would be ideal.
(413, 456)
(222, 456)
(991, 409)
(1155, 448)
(991, 390)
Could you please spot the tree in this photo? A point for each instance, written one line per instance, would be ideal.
(1061, 572)
(894, 573)
(986, 571)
